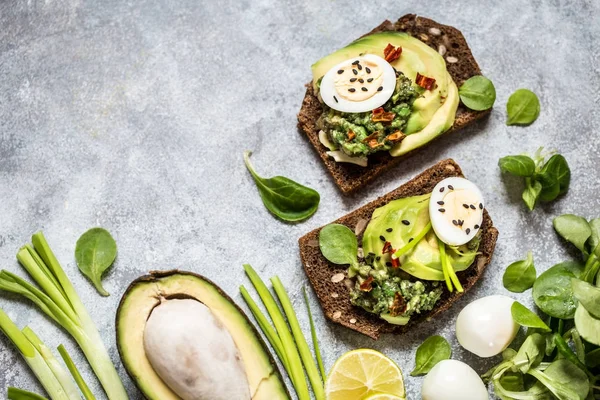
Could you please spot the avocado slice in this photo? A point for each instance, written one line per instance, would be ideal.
(146, 293)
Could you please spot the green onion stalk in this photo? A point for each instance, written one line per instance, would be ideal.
(20, 394)
(59, 301)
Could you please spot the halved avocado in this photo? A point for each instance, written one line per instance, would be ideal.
(145, 293)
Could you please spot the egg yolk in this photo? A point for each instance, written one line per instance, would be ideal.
(359, 80)
(462, 209)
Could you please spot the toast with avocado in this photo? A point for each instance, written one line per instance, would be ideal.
(385, 95)
(404, 257)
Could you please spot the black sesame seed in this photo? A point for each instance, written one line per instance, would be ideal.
(355, 62)
(442, 189)
(361, 80)
(364, 89)
(368, 70)
(455, 222)
(480, 206)
(353, 79)
(405, 222)
(472, 207)
(355, 72)
(450, 187)
(476, 227)
(352, 90)
(372, 254)
(382, 238)
(468, 231)
(380, 88)
(335, 98)
(466, 206)
(389, 229)
(442, 210)
(359, 67)
(340, 71)
(388, 264)
(461, 222)
(410, 240)
(378, 258)
(441, 203)
(461, 252)
(370, 80)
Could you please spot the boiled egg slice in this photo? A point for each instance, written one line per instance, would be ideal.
(453, 380)
(486, 327)
(456, 210)
(359, 84)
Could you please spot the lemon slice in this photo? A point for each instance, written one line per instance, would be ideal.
(361, 373)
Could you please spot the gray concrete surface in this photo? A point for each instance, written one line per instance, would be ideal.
(134, 116)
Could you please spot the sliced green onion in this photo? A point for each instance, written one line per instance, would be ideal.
(442, 247)
(410, 245)
(267, 329)
(315, 340)
(20, 394)
(57, 369)
(295, 363)
(307, 359)
(87, 393)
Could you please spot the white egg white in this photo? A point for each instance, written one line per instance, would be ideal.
(331, 96)
(486, 327)
(453, 380)
(456, 210)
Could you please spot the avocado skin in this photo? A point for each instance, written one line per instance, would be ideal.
(154, 277)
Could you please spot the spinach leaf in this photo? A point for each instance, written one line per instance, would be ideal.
(531, 353)
(517, 165)
(592, 358)
(588, 296)
(339, 244)
(555, 177)
(594, 241)
(573, 229)
(520, 275)
(523, 107)
(531, 193)
(587, 326)
(478, 93)
(527, 318)
(564, 379)
(284, 198)
(95, 252)
(552, 290)
(433, 350)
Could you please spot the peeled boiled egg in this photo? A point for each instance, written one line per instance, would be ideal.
(456, 210)
(358, 84)
(486, 326)
(453, 380)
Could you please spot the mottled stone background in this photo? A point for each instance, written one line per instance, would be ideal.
(133, 115)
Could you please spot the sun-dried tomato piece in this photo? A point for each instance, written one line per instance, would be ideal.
(396, 137)
(351, 135)
(387, 248)
(391, 53)
(380, 115)
(395, 262)
(425, 82)
(398, 306)
(367, 286)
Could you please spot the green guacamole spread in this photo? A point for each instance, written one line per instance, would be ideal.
(337, 125)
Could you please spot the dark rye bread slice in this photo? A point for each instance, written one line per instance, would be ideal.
(460, 64)
(329, 280)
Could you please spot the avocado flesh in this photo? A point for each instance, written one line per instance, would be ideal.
(427, 119)
(146, 293)
(423, 261)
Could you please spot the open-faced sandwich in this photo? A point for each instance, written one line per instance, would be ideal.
(404, 257)
(384, 95)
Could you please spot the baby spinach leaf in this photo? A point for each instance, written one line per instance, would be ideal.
(338, 244)
(531, 193)
(95, 252)
(587, 326)
(478, 93)
(520, 275)
(517, 165)
(592, 358)
(284, 198)
(594, 241)
(588, 296)
(433, 350)
(564, 379)
(573, 229)
(555, 177)
(527, 318)
(523, 107)
(531, 352)
(552, 290)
